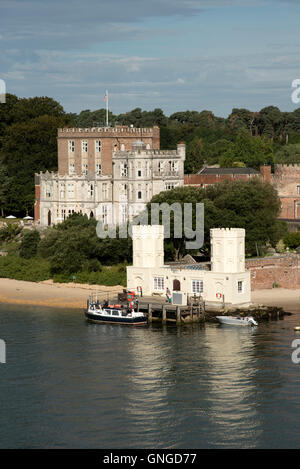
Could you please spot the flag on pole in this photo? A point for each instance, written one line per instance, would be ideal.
(106, 96)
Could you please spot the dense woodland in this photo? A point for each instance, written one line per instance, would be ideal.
(28, 130)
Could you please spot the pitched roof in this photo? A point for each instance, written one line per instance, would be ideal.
(228, 171)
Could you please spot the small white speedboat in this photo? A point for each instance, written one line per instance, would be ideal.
(237, 320)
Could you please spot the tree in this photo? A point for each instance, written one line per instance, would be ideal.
(28, 147)
(253, 205)
(29, 244)
(252, 151)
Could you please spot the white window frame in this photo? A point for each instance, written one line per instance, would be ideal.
(240, 286)
(90, 190)
(71, 191)
(85, 168)
(71, 146)
(197, 286)
(158, 283)
(98, 169)
(84, 146)
(124, 170)
(98, 146)
(71, 168)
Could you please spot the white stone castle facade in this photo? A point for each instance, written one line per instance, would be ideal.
(133, 176)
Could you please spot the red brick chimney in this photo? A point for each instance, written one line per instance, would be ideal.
(265, 171)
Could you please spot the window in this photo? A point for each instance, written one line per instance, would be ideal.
(298, 189)
(72, 168)
(63, 214)
(159, 283)
(90, 190)
(240, 286)
(174, 166)
(139, 173)
(62, 191)
(160, 167)
(197, 286)
(84, 146)
(122, 147)
(98, 146)
(71, 144)
(139, 194)
(84, 168)
(71, 191)
(98, 168)
(124, 169)
(48, 191)
(123, 191)
(104, 214)
(169, 186)
(124, 214)
(105, 191)
(70, 212)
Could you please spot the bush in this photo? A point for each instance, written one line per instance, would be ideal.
(109, 276)
(292, 240)
(29, 244)
(33, 270)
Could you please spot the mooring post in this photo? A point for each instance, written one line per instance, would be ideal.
(178, 315)
(149, 312)
(164, 314)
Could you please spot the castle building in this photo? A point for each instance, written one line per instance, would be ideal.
(106, 173)
(228, 282)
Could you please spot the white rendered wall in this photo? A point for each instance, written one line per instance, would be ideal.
(227, 250)
(148, 245)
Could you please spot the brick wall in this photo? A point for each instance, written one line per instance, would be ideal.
(283, 271)
(286, 180)
(111, 139)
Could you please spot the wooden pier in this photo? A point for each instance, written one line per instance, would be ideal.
(160, 311)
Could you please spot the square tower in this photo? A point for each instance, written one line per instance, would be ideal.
(227, 250)
(148, 245)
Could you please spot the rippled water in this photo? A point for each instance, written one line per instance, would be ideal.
(71, 384)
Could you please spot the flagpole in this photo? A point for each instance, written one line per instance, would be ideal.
(106, 108)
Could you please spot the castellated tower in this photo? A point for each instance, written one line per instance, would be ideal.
(148, 246)
(227, 250)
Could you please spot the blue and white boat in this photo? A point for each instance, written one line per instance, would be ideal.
(237, 320)
(114, 314)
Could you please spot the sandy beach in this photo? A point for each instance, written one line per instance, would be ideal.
(70, 295)
(47, 293)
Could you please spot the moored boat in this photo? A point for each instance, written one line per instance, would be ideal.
(114, 314)
(237, 320)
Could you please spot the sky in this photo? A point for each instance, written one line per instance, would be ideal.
(175, 55)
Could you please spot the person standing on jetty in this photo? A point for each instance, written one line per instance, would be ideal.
(168, 295)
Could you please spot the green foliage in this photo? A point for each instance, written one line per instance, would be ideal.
(109, 276)
(10, 232)
(73, 246)
(253, 152)
(29, 244)
(28, 144)
(33, 270)
(292, 240)
(252, 205)
(288, 154)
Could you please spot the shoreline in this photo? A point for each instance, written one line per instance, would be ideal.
(75, 295)
(50, 294)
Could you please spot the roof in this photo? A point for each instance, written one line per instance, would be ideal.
(228, 171)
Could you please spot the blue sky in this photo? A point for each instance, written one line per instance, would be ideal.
(171, 54)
